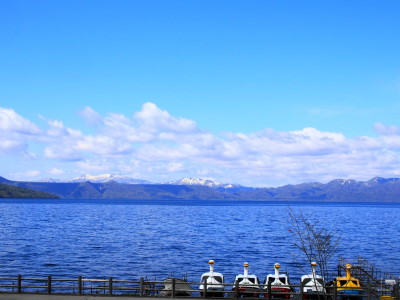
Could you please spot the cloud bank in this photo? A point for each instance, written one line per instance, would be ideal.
(154, 145)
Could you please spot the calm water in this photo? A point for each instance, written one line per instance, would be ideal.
(129, 240)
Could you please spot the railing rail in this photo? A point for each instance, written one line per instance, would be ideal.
(144, 288)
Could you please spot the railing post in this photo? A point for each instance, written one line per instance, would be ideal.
(396, 291)
(173, 288)
(269, 290)
(237, 289)
(369, 291)
(301, 290)
(205, 289)
(334, 290)
(110, 286)
(19, 284)
(80, 285)
(48, 284)
(141, 287)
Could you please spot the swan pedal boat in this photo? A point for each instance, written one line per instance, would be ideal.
(313, 285)
(248, 285)
(213, 281)
(280, 285)
(349, 287)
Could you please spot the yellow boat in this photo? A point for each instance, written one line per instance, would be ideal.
(348, 286)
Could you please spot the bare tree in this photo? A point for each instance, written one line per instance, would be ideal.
(313, 240)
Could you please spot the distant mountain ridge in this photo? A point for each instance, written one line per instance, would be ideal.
(129, 180)
(100, 178)
(203, 182)
(377, 189)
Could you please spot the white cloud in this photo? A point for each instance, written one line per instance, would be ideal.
(59, 152)
(95, 165)
(68, 144)
(308, 141)
(151, 118)
(13, 123)
(391, 142)
(58, 130)
(90, 116)
(27, 175)
(175, 167)
(121, 127)
(15, 133)
(12, 146)
(56, 171)
(384, 129)
(154, 144)
(102, 145)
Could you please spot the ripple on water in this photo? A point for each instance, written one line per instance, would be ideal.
(129, 240)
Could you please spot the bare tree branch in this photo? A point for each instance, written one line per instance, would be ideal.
(314, 241)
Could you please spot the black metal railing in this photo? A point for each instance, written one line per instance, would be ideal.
(145, 288)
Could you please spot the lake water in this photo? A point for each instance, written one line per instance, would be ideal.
(153, 239)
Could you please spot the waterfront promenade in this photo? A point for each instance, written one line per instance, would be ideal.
(69, 297)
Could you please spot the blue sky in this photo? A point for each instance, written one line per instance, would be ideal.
(260, 93)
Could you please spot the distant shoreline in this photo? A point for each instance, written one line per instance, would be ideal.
(180, 202)
(377, 190)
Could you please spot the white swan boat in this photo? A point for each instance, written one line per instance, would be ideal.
(313, 285)
(212, 282)
(248, 285)
(280, 285)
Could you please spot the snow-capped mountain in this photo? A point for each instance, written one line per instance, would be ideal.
(204, 182)
(339, 190)
(100, 179)
(379, 180)
(49, 180)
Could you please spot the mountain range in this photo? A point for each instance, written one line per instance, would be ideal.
(129, 180)
(120, 187)
(100, 178)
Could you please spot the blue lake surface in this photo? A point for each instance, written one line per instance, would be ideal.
(129, 239)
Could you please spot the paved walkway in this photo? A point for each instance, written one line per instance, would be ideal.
(71, 297)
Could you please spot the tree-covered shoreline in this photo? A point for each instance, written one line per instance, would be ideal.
(10, 191)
